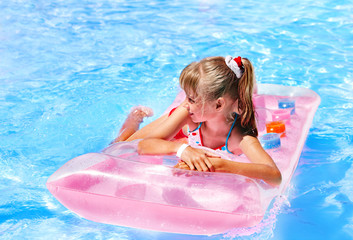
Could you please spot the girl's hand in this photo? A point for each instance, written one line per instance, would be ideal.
(182, 165)
(197, 159)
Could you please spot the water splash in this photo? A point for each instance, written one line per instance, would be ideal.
(263, 230)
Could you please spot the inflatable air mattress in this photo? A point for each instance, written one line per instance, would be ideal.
(118, 186)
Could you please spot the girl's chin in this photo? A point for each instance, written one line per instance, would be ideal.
(195, 119)
(192, 117)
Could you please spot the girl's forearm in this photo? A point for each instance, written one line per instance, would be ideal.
(267, 173)
(172, 124)
(157, 146)
(146, 130)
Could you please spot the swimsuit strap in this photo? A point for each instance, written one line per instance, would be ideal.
(236, 116)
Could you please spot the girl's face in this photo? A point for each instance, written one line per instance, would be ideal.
(199, 111)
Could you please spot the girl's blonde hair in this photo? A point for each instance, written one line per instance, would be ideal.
(211, 79)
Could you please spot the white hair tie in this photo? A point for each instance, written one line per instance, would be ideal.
(235, 65)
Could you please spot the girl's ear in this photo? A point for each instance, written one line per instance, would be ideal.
(220, 103)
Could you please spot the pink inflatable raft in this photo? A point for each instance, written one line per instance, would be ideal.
(120, 187)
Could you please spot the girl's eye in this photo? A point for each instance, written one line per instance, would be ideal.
(191, 100)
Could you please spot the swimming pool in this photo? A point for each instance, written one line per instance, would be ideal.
(71, 70)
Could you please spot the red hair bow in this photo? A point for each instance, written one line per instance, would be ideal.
(238, 61)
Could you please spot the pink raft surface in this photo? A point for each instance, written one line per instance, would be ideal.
(120, 187)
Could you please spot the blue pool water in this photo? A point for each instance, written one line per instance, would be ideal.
(71, 70)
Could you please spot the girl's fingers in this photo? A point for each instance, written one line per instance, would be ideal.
(184, 166)
(204, 165)
(191, 166)
(210, 154)
(201, 165)
(197, 159)
(209, 165)
(198, 167)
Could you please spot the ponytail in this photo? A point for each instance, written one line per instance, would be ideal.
(245, 103)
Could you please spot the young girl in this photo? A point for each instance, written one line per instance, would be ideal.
(217, 113)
